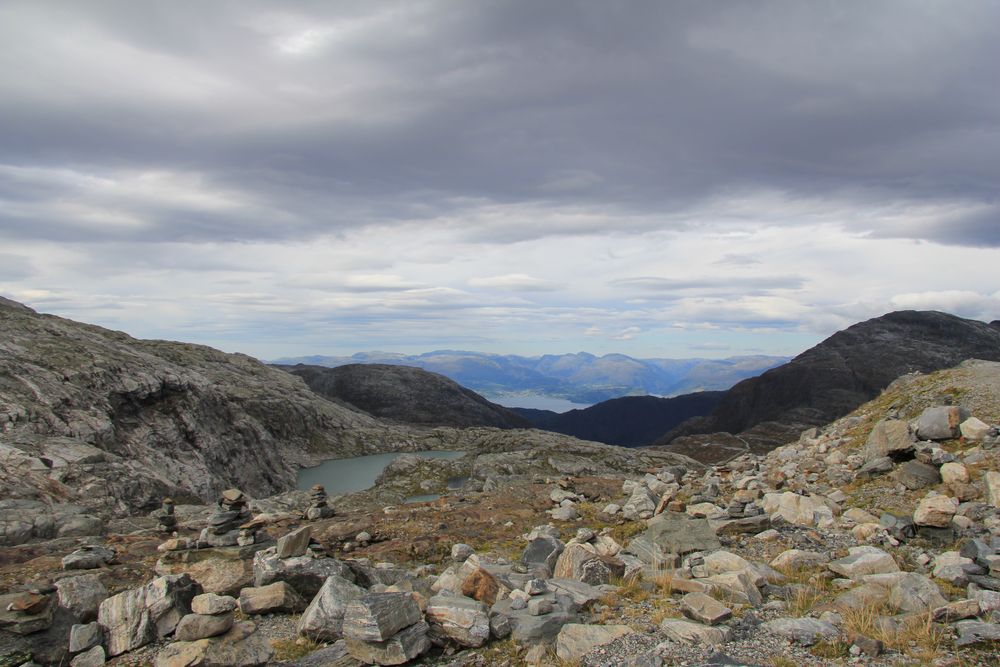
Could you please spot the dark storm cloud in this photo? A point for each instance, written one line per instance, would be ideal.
(309, 118)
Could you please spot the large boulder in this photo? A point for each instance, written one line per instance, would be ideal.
(542, 554)
(941, 422)
(306, 574)
(889, 437)
(671, 535)
(796, 509)
(402, 647)
(138, 616)
(686, 632)
(82, 595)
(912, 592)
(276, 597)
(323, 619)
(376, 617)
(583, 563)
(862, 561)
(936, 511)
(459, 619)
(241, 646)
(641, 504)
(916, 475)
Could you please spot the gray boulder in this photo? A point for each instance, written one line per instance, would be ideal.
(889, 437)
(83, 637)
(200, 626)
(294, 543)
(276, 597)
(542, 553)
(82, 595)
(306, 574)
(136, 617)
(402, 647)
(916, 475)
(686, 632)
(575, 640)
(88, 558)
(242, 646)
(671, 535)
(323, 619)
(376, 617)
(458, 619)
(941, 422)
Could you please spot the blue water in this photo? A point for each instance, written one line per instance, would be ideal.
(537, 401)
(341, 476)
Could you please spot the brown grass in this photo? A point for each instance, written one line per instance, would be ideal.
(918, 636)
(292, 649)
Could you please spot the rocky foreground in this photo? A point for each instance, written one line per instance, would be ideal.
(873, 541)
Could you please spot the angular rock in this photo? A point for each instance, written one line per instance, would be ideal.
(461, 552)
(686, 632)
(83, 637)
(797, 559)
(306, 574)
(543, 552)
(582, 595)
(956, 611)
(576, 640)
(242, 646)
(974, 632)
(402, 647)
(211, 604)
(863, 560)
(992, 481)
(875, 468)
(805, 631)
(913, 592)
(527, 629)
(224, 575)
(459, 619)
(135, 617)
(323, 619)
(82, 595)
(935, 511)
(93, 657)
(737, 587)
(672, 535)
(200, 626)
(376, 617)
(954, 473)
(294, 543)
(890, 437)
(974, 430)
(88, 558)
(640, 505)
(704, 609)
(276, 597)
(916, 475)
(795, 509)
(941, 422)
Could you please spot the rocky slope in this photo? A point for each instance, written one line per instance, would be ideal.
(630, 421)
(124, 421)
(834, 377)
(874, 540)
(406, 394)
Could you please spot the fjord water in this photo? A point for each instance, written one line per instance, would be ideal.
(341, 476)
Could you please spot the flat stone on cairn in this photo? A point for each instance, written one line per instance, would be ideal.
(166, 522)
(318, 508)
(226, 525)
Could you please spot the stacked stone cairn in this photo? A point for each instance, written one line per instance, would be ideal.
(318, 508)
(225, 525)
(166, 522)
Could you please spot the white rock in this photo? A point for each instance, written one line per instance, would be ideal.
(954, 472)
(936, 511)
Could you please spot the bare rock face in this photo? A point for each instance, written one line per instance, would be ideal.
(133, 421)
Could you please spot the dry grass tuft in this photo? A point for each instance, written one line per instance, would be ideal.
(292, 649)
(917, 636)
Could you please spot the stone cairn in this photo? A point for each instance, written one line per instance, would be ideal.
(318, 508)
(225, 525)
(166, 522)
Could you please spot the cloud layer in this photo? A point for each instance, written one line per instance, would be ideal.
(663, 179)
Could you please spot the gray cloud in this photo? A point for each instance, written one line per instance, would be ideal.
(733, 283)
(320, 117)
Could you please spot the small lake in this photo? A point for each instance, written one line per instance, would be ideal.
(536, 401)
(341, 476)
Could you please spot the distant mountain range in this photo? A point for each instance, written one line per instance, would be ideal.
(580, 377)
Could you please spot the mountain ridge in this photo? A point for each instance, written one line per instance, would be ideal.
(840, 373)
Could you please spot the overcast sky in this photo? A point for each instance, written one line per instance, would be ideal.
(662, 179)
